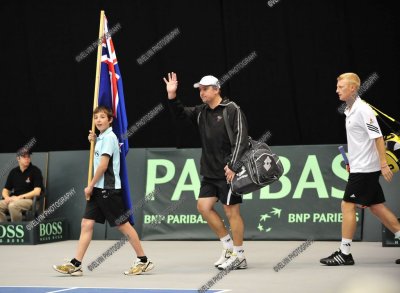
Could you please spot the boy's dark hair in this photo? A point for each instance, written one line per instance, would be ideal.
(24, 151)
(105, 110)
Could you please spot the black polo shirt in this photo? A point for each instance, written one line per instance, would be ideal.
(19, 182)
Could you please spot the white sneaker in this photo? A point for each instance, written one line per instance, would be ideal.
(139, 267)
(225, 255)
(234, 263)
(69, 269)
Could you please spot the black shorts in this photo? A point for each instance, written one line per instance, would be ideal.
(220, 189)
(106, 204)
(364, 189)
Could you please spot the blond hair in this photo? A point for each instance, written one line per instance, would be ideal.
(352, 78)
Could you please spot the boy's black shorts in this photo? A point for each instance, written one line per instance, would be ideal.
(364, 189)
(211, 187)
(106, 204)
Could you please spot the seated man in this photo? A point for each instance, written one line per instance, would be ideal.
(23, 184)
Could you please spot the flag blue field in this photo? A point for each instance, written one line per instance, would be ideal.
(111, 94)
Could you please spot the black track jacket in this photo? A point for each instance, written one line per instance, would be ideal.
(216, 147)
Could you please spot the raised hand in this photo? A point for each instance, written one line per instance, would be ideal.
(172, 85)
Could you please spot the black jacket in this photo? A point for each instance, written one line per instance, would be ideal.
(216, 147)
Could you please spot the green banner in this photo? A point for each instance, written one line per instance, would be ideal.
(304, 204)
(20, 233)
(15, 234)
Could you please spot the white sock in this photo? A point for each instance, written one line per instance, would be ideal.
(227, 242)
(397, 235)
(238, 250)
(345, 246)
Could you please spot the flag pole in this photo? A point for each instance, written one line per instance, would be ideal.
(96, 92)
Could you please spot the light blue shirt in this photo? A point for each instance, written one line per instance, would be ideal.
(107, 144)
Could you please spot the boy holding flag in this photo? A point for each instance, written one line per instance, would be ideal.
(105, 198)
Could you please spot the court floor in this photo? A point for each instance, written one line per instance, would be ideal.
(186, 266)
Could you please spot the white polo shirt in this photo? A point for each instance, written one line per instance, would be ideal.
(362, 128)
(107, 143)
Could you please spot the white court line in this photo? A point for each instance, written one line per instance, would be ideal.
(149, 288)
(63, 290)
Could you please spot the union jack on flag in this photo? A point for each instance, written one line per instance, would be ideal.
(111, 94)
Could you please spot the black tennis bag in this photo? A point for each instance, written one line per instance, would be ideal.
(259, 166)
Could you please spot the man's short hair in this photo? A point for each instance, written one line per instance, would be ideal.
(24, 151)
(351, 78)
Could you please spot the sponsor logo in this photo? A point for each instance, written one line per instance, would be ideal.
(50, 231)
(174, 219)
(242, 174)
(264, 222)
(267, 163)
(12, 233)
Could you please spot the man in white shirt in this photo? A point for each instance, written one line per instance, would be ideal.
(367, 161)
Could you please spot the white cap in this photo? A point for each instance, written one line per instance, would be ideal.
(208, 80)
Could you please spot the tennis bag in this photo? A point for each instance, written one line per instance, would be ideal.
(392, 144)
(259, 166)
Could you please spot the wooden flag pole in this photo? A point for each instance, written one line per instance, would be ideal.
(96, 93)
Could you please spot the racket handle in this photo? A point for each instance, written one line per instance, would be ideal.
(341, 150)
